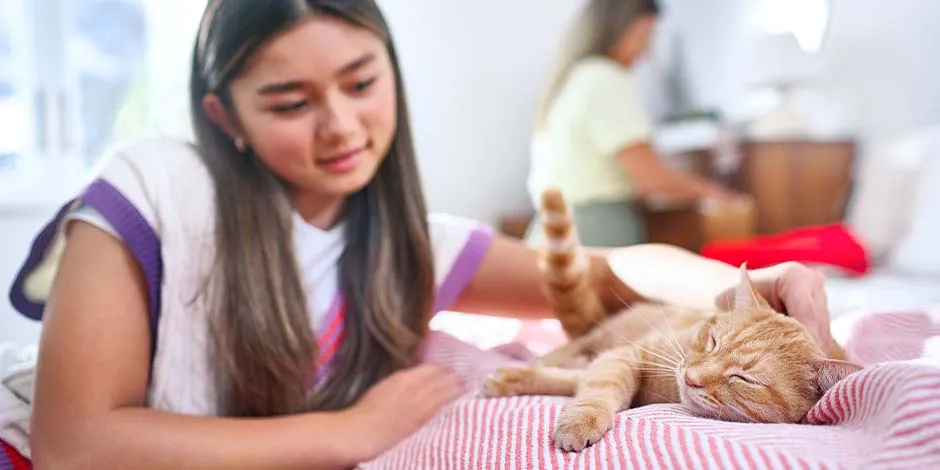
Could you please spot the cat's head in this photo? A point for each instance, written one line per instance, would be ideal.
(754, 364)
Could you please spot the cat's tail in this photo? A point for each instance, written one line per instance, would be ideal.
(565, 268)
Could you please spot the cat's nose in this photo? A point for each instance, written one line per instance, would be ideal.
(692, 379)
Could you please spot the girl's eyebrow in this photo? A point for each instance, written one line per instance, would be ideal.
(294, 85)
(357, 64)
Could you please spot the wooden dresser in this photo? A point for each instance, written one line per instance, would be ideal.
(797, 183)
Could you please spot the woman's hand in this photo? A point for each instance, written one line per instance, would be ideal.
(795, 290)
(653, 178)
(400, 404)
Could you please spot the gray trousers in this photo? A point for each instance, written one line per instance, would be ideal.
(600, 224)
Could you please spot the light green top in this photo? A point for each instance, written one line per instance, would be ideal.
(596, 113)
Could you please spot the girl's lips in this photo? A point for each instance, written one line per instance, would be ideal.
(343, 162)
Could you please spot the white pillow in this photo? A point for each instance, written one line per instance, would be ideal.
(918, 250)
(886, 184)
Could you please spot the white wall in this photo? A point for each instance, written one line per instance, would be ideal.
(882, 57)
(879, 65)
(474, 71)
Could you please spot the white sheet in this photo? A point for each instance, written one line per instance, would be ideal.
(881, 290)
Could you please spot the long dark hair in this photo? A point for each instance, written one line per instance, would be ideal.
(263, 346)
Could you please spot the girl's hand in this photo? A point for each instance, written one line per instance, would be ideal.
(401, 403)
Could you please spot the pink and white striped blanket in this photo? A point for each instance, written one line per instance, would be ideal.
(884, 417)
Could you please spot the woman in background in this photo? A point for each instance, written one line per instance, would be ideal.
(592, 137)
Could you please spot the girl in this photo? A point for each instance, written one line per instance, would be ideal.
(592, 138)
(258, 299)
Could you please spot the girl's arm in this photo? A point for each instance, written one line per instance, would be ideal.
(652, 176)
(92, 375)
(509, 283)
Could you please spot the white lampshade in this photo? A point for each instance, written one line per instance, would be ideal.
(778, 59)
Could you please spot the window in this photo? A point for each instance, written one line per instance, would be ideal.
(78, 75)
(15, 89)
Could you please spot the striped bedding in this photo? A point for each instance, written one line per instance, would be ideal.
(886, 416)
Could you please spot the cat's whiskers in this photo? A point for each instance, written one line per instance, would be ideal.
(711, 401)
(656, 364)
(670, 339)
(673, 337)
(665, 398)
(647, 377)
(739, 411)
(668, 365)
(668, 359)
(657, 370)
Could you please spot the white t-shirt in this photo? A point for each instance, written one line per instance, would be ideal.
(596, 113)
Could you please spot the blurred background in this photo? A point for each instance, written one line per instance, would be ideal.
(823, 111)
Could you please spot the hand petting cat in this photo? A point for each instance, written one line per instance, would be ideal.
(798, 291)
(678, 277)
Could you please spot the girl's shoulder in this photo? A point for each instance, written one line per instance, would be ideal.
(151, 159)
(595, 71)
(159, 178)
(140, 191)
(459, 245)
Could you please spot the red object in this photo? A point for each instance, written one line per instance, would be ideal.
(10, 458)
(830, 245)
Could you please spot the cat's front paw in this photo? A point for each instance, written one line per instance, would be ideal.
(509, 381)
(581, 426)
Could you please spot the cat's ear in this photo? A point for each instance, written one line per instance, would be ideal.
(828, 372)
(746, 297)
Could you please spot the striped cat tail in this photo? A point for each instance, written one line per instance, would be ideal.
(565, 267)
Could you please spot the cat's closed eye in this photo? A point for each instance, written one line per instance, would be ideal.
(745, 379)
(711, 343)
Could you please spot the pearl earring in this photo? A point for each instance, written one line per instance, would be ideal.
(240, 144)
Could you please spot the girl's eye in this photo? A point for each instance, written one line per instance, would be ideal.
(289, 107)
(363, 85)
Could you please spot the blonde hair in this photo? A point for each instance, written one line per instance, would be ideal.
(595, 32)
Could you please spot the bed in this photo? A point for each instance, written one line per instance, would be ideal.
(886, 416)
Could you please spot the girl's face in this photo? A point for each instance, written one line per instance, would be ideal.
(317, 104)
(635, 40)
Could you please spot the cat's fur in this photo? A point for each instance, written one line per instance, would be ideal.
(748, 364)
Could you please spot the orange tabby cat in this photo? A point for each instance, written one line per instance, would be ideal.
(749, 364)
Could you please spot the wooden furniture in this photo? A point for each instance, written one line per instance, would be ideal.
(797, 183)
(676, 224)
(791, 184)
(691, 226)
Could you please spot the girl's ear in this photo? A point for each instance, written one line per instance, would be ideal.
(216, 111)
